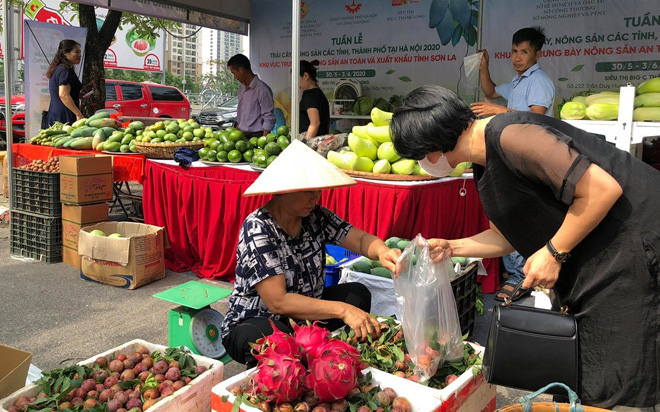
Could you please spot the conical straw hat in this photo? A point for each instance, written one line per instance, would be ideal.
(298, 168)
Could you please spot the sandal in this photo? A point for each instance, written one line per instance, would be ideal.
(508, 289)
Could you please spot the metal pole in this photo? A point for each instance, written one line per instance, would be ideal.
(480, 22)
(9, 61)
(295, 67)
(164, 63)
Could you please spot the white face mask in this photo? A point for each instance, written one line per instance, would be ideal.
(440, 168)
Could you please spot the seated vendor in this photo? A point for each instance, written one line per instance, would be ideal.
(280, 273)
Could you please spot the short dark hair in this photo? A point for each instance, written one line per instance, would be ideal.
(430, 119)
(239, 60)
(534, 35)
(309, 68)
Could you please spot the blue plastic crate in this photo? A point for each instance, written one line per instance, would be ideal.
(339, 252)
(332, 271)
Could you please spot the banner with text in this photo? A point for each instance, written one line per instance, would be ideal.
(390, 47)
(127, 50)
(394, 46)
(41, 42)
(592, 45)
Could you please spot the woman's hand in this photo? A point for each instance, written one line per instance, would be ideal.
(541, 270)
(438, 249)
(388, 258)
(360, 321)
(79, 116)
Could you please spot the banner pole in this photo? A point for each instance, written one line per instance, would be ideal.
(295, 68)
(9, 61)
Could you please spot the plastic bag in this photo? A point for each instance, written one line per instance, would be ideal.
(428, 309)
(471, 65)
(323, 144)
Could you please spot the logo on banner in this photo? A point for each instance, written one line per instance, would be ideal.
(403, 2)
(304, 8)
(152, 62)
(353, 8)
(110, 58)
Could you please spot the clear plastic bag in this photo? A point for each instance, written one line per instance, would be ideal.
(428, 309)
(471, 65)
(323, 144)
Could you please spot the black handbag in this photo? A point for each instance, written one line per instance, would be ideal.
(529, 348)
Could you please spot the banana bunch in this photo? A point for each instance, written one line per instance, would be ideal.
(47, 137)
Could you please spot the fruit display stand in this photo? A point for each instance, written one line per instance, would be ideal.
(191, 398)
(432, 208)
(466, 394)
(623, 132)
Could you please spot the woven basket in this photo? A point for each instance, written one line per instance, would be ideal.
(164, 150)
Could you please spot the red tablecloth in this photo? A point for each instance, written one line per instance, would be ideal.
(202, 210)
(127, 167)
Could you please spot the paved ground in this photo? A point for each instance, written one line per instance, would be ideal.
(49, 311)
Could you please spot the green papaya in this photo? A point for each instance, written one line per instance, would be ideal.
(603, 111)
(362, 266)
(642, 114)
(649, 86)
(648, 100)
(117, 137)
(382, 272)
(82, 143)
(402, 244)
(79, 123)
(124, 148)
(573, 111)
(99, 146)
(104, 123)
(137, 125)
(61, 142)
(375, 263)
(109, 146)
(108, 131)
(392, 242)
(101, 115)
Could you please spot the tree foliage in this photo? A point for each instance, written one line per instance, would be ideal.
(98, 41)
(222, 80)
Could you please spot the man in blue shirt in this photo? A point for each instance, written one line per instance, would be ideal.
(531, 89)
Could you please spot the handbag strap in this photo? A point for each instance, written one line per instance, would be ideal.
(575, 404)
(507, 300)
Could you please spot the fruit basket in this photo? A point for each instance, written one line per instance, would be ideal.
(193, 397)
(164, 150)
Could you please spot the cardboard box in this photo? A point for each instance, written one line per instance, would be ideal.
(85, 179)
(130, 261)
(70, 257)
(13, 369)
(74, 217)
(193, 397)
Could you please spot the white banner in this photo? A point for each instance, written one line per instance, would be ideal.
(387, 46)
(591, 44)
(127, 50)
(394, 46)
(41, 42)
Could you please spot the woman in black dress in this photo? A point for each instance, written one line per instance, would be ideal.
(314, 107)
(64, 85)
(548, 187)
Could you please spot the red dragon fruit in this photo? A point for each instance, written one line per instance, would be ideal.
(311, 338)
(280, 378)
(334, 372)
(278, 342)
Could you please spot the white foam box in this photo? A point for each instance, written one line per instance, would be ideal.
(422, 398)
(191, 398)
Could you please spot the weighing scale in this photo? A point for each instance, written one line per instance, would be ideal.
(194, 324)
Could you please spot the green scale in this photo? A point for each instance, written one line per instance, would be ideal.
(195, 324)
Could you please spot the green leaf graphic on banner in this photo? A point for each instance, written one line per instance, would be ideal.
(456, 36)
(562, 79)
(470, 35)
(445, 29)
(460, 11)
(389, 71)
(405, 79)
(437, 12)
(577, 68)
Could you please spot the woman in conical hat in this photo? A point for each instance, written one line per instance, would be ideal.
(280, 273)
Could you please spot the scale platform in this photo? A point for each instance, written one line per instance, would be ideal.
(195, 324)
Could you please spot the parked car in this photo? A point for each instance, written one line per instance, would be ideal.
(146, 99)
(130, 98)
(219, 117)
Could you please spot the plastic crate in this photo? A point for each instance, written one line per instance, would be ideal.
(465, 293)
(36, 236)
(36, 192)
(332, 271)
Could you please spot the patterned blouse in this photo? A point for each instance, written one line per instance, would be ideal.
(265, 249)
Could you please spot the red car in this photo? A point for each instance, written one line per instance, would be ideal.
(129, 98)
